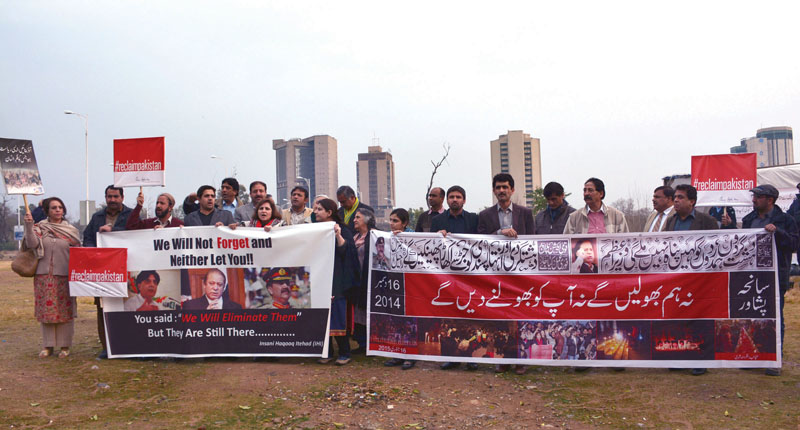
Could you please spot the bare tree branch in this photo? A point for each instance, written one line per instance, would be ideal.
(436, 166)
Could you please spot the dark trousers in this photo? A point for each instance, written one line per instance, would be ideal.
(101, 326)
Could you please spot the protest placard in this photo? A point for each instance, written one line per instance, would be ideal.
(724, 179)
(139, 162)
(205, 291)
(670, 299)
(98, 272)
(20, 172)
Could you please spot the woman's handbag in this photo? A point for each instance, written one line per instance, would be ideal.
(25, 263)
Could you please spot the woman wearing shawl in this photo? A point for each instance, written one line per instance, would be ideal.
(54, 308)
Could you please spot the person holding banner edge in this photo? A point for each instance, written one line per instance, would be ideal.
(345, 278)
(687, 218)
(55, 309)
(767, 215)
(114, 217)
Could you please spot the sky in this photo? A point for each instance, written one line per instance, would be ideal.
(624, 91)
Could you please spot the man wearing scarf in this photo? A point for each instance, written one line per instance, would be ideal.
(349, 205)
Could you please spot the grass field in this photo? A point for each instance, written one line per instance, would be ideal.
(86, 393)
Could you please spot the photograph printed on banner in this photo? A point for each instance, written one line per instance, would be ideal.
(468, 338)
(380, 255)
(745, 337)
(557, 340)
(623, 340)
(153, 290)
(215, 288)
(683, 340)
(277, 287)
(393, 330)
(20, 172)
(585, 255)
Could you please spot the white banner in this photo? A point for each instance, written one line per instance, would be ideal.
(217, 291)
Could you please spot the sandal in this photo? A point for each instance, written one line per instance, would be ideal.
(45, 353)
(64, 353)
(325, 360)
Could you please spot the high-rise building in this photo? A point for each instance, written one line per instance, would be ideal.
(519, 155)
(310, 162)
(772, 145)
(375, 178)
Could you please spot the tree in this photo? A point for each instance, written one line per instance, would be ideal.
(413, 216)
(635, 215)
(539, 200)
(436, 166)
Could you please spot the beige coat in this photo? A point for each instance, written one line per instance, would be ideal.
(578, 222)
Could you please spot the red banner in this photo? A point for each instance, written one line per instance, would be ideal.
(139, 162)
(98, 272)
(725, 179)
(617, 297)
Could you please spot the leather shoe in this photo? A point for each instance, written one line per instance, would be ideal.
(449, 365)
(698, 372)
(772, 372)
(408, 364)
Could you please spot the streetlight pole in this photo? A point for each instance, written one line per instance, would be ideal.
(86, 138)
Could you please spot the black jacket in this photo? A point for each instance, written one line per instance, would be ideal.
(786, 239)
(98, 220)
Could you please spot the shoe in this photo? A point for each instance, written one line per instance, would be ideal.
(393, 362)
(45, 353)
(501, 368)
(359, 351)
(698, 372)
(472, 366)
(520, 369)
(64, 353)
(619, 369)
(581, 368)
(772, 372)
(324, 360)
(103, 355)
(408, 364)
(449, 365)
(341, 361)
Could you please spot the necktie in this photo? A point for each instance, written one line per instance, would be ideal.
(657, 224)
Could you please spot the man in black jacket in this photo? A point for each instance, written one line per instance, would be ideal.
(113, 217)
(772, 219)
(455, 219)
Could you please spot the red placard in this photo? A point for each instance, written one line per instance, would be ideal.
(98, 272)
(139, 162)
(724, 179)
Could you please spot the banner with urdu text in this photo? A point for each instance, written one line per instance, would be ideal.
(670, 299)
(206, 291)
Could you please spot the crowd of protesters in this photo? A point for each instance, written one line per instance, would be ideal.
(674, 210)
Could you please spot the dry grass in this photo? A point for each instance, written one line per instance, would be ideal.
(82, 392)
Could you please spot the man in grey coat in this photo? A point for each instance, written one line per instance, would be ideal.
(244, 213)
(207, 214)
(554, 217)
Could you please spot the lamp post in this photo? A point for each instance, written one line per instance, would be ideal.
(308, 184)
(86, 138)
